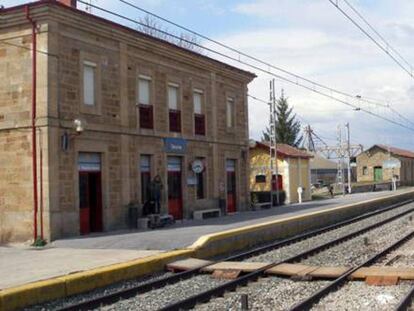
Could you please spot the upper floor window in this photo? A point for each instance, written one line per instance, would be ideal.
(174, 108)
(230, 112)
(146, 119)
(89, 77)
(144, 85)
(199, 118)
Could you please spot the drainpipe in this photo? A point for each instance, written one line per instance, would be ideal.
(34, 145)
(41, 183)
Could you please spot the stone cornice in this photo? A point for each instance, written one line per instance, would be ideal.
(52, 10)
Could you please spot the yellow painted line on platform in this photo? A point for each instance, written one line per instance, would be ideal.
(37, 292)
(203, 241)
(79, 282)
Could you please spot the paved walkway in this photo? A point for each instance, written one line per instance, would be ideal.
(185, 233)
(20, 265)
(24, 265)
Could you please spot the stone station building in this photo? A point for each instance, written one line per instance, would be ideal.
(114, 108)
(380, 163)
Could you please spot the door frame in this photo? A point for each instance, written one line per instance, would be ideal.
(82, 145)
(235, 186)
(376, 169)
(182, 173)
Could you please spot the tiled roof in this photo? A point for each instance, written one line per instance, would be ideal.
(286, 150)
(396, 151)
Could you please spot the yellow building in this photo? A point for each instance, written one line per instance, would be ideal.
(293, 170)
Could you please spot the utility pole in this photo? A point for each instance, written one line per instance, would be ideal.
(308, 142)
(340, 153)
(349, 156)
(273, 143)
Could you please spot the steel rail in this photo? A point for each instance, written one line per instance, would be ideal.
(159, 283)
(191, 301)
(307, 303)
(406, 301)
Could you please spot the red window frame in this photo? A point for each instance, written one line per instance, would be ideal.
(199, 124)
(175, 120)
(146, 117)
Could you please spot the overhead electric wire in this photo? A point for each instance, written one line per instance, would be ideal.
(296, 114)
(240, 53)
(378, 34)
(294, 82)
(384, 49)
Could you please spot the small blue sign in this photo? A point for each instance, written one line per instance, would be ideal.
(175, 145)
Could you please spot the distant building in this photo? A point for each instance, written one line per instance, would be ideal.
(379, 163)
(293, 170)
(323, 171)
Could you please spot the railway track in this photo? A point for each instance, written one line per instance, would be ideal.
(203, 296)
(308, 303)
(406, 302)
(190, 302)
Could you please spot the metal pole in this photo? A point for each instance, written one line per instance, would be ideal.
(244, 301)
(272, 143)
(349, 157)
(275, 140)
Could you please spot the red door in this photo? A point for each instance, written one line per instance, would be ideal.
(90, 193)
(231, 186)
(84, 209)
(279, 182)
(175, 200)
(90, 202)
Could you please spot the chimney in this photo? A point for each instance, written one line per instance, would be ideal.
(71, 3)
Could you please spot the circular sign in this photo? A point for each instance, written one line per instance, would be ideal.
(197, 166)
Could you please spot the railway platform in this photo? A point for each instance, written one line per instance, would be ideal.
(77, 265)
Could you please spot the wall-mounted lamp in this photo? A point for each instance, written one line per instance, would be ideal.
(79, 127)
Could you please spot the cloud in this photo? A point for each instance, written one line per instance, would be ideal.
(310, 38)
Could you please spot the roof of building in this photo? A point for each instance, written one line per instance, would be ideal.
(395, 151)
(129, 29)
(319, 162)
(282, 149)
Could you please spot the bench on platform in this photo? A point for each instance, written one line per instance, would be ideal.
(207, 213)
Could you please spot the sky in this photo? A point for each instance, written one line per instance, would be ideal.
(312, 39)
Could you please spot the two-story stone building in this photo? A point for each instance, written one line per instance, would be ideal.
(114, 108)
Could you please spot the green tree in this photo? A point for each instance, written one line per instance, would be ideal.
(287, 126)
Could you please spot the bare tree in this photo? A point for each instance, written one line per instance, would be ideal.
(152, 27)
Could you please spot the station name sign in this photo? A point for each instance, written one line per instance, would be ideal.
(175, 145)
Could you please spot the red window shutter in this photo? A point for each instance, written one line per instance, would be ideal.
(146, 119)
(199, 124)
(175, 121)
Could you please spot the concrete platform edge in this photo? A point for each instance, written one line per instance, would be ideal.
(228, 241)
(205, 247)
(37, 292)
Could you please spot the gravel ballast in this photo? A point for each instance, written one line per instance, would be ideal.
(359, 296)
(297, 248)
(159, 298)
(354, 252)
(271, 293)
